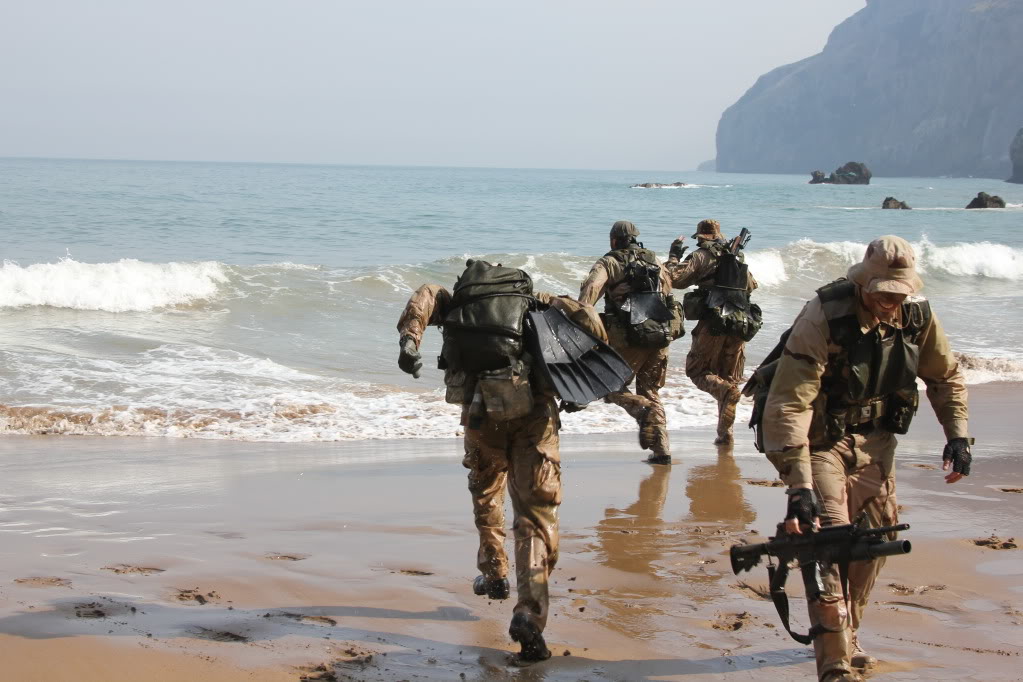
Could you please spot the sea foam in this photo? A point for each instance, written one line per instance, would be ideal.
(127, 285)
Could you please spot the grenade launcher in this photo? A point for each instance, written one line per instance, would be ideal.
(831, 545)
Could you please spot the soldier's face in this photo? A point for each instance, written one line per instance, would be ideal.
(883, 305)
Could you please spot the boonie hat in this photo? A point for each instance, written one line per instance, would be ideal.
(708, 229)
(623, 228)
(888, 266)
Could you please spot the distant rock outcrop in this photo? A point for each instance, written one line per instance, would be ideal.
(1016, 156)
(915, 87)
(658, 185)
(852, 173)
(708, 166)
(892, 202)
(985, 200)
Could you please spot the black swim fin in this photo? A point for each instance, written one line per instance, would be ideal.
(579, 366)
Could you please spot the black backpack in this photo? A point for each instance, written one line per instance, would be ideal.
(483, 329)
(649, 317)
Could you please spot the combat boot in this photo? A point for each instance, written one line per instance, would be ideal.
(841, 676)
(495, 588)
(659, 459)
(525, 632)
(860, 659)
(647, 431)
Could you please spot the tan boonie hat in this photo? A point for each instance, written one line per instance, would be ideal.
(889, 266)
(623, 228)
(708, 229)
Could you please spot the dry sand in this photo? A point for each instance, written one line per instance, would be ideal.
(136, 559)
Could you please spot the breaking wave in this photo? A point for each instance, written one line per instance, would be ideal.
(127, 285)
(822, 262)
(983, 370)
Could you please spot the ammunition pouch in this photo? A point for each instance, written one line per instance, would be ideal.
(694, 304)
(743, 324)
(900, 409)
(457, 387)
(758, 386)
(506, 392)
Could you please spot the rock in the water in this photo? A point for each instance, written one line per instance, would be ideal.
(852, 173)
(892, 202)
(1016, 156)
(918, 87)
(985, 200)
(658, 185)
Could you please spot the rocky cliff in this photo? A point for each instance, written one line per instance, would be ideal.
(911, 87)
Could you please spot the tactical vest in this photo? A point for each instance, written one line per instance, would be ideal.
(870, 382)
(723, 299)
(649, 317)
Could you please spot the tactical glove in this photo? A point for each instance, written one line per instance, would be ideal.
(802, 506)
(957, 451)
(677, 249)
(409, 359)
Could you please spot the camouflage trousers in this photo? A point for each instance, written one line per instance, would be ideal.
(522, 453)
(714, 365)
(854, 476)
(651, 368)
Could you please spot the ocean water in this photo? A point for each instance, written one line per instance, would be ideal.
(259, 302)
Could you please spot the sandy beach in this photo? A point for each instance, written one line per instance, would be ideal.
(176, 559)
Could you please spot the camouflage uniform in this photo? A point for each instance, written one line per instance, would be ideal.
(650, 364)
(521, 452)
(714, 363)
(857, 473)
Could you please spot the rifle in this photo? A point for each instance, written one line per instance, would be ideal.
(830, 545)
(740, 242)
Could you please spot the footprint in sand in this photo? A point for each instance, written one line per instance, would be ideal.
(995, 542)
(413, 571)
(899, 588)
(929, 467)
(274, 556)
(733, 621)
(317, 620)
(765, 483)
(123, 569)
(90, 610)
(43, 581)
(1011, 490)
(197, 596)
(220, 635)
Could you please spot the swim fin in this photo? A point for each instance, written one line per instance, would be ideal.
(579, 366)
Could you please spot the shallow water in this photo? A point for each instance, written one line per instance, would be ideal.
(258, 302)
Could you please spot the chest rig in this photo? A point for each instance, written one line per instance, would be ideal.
(870, 382)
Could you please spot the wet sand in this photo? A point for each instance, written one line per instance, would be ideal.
(159, 559)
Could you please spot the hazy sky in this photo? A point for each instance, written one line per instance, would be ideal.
(637, 84)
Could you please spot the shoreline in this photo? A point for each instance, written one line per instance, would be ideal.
(274, 559)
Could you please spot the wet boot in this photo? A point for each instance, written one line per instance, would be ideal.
(726, 416)
(495, 588)
(658, 459)
(860, 659)
(841, 676)
(525, 632)
(647, 431)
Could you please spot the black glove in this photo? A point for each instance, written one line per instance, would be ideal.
(567, 406)
(957, 451)
(677, 249)
(409, 359)
(802, 506)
